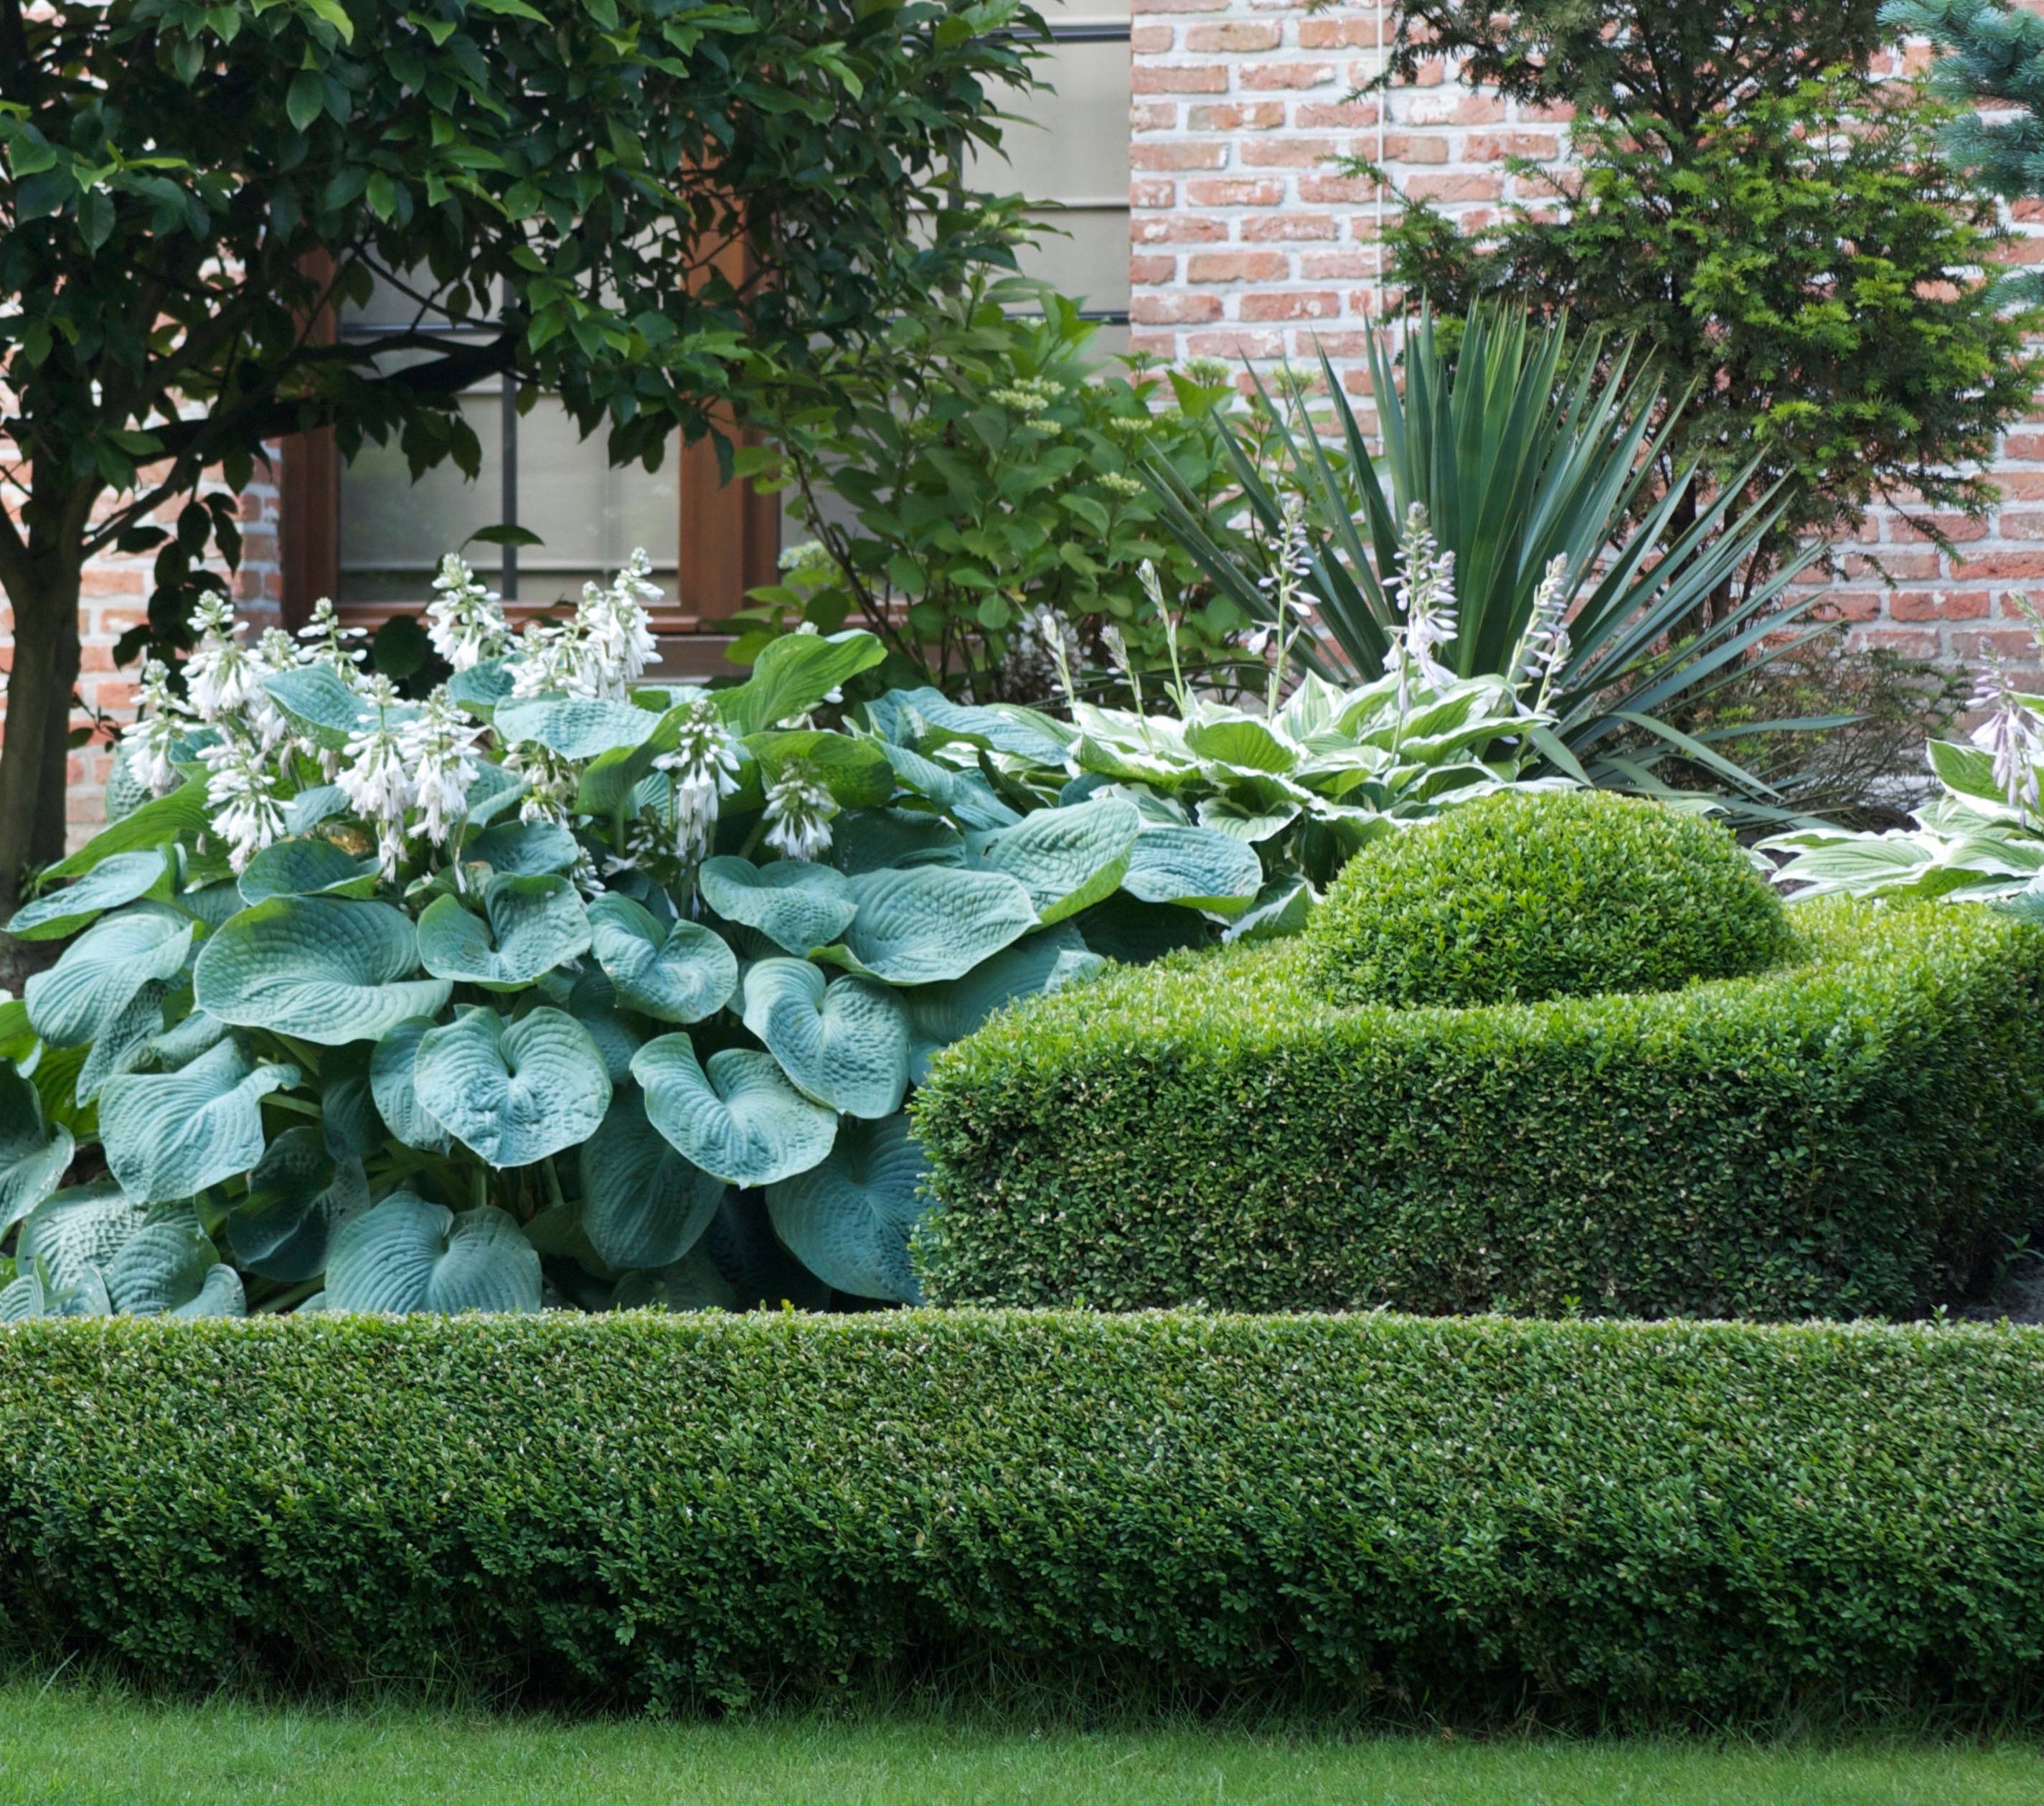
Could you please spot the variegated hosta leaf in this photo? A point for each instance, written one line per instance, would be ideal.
(406, 1254)
(797, 906)
(81, 996)
(1238, 744)
(513, 1093)
(741, 1120)
(681, 972)
(848, 1218)
(1282, 907)
(534, 925)
(1199, 867)
(1066, 858)
(171, 1135)
(33, 1155)
(926, 718)
(76, 1233)
(318, 967)
(306, 866)
(930, 922)
(643, 1203)
(844, 1044)
(115, 881)
(940, 1014)
(298, 1194)
(1252, 823)
(168, 1268)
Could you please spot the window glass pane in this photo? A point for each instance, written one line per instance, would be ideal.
(1072, 144)
(591, 516)
(1084, 256)
(394, 532)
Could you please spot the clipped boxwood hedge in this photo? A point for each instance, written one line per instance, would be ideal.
(1663, 1518)
(1839, 1136)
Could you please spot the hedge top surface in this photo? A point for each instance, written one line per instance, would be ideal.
(1518, 898)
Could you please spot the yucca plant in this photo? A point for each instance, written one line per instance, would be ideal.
(1536, 458)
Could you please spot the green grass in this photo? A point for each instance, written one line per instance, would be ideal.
(66, 1745)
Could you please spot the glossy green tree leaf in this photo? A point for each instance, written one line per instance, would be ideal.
(848, 1218)
(844, 1044)
(644, 1204)
(677, 972)
(81, 996)
(796, 904)
(740, 1120)
(406, 1254)
(513, 1093)
(319, 968)
(533, 925)
(171, 1135)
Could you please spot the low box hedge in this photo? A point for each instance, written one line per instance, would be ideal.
(1840, 1136)
(1666, 1520)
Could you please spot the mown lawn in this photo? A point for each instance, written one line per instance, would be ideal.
(67, 1746)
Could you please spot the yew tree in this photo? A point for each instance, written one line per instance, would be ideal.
(638, 206)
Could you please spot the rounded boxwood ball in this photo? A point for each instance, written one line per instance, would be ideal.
(1521, 897)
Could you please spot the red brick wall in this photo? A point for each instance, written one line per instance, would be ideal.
(1246, 244)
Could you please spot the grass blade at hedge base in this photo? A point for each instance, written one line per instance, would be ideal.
(1841, 1137)
(1657, 1521)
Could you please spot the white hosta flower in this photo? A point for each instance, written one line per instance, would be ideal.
(2011, 734)
(552, 659)
(438, 744)
(465, 620)
(328, 642)
(616, 627)
(1291, 566)
(378, 776)
(274, 651)
(799, 809)
(703, 770)
(163, 722)
(220, 674)
(242, 793)
(549, 782)
(1544, 647)
(1422, 592)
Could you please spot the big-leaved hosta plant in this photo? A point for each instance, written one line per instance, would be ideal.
(559, 987)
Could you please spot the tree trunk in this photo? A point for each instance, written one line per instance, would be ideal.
(35, 752)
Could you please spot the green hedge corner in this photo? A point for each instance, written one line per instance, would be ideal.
(1842, 1135)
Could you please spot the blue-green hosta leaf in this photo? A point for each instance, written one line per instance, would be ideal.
(127, 1042)
(848, 1219)
(679, 973)
(168, 1268)
(524, 849)
(965, 795)
(306, 811)
(298, 1194)
(406, 1254)
(941, 1014)
(319, 968)
(1066, 858)
(643, 1204)
(34, 1294)
(181, 1044)
(125, 791)
(593, 1002)
(793, 675)
(930, 922)
(81, 996)
(576, 727)
(78, 1232)
(515, 1092)
(797, 906)
(741, 1120)
(119, 879)
(535, 924)
(171, 1135)
(33, 1155)
(1136, 933)
(928, 717)
(482, 687)
(692, 1284)
(870, 839)
(213, 905)
(1200, 868)
(393, 1083)
(495, 790)
(319, 704)
(306, 866)
(846, 1044)
(350, 1125)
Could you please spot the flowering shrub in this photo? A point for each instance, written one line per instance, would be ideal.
(555, 987)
